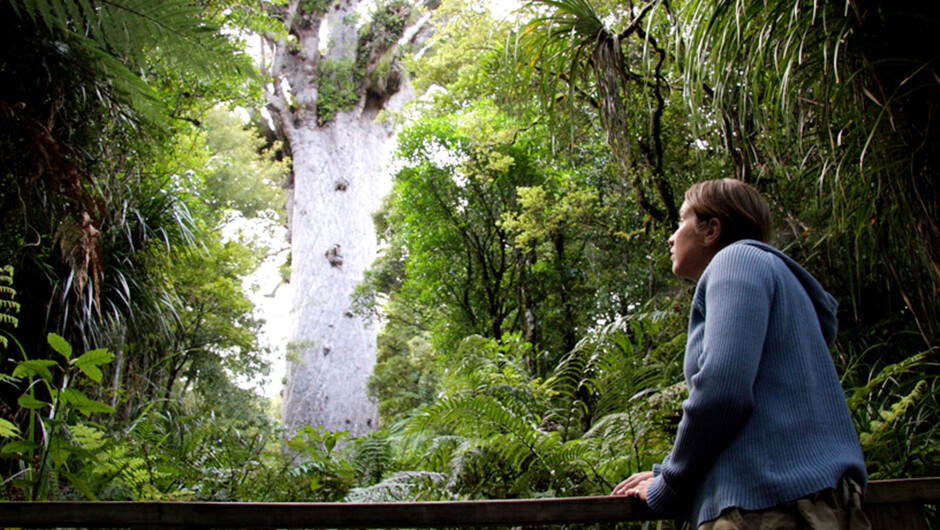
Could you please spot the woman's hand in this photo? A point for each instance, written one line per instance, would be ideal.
(635, 486)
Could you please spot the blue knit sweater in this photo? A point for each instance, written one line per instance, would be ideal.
(766, 420)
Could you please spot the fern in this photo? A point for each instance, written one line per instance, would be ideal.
(7, 304)
(609, 370)
(372, 455)
(889, 416)
(404, 486)
(492, 435)
(130, 29)
(121, 38)
(862, 394)
(498, 431)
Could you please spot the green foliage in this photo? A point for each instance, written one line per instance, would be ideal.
(496, 431)
(626, 388)
(116, 202)
(215, 330)
(315, 6)
(542, 215)
(338, 88)
(623, 72)
(240, 173)
(372, 456)
(7, 303)
(501, 420)
(180, 452)
(460, 55)
(406, 373)
(458, 180)
(55, 395)
(114, 37)
(894, 406)
(377, 47)
(110, 461)
(328, 475)
(96, 197)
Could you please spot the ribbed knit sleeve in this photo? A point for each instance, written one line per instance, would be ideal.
(728, 326)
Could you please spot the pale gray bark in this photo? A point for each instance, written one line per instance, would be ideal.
(339, 178)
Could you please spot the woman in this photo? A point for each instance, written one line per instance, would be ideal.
(766, 439)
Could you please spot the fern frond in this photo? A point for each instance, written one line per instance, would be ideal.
(372, 455)
(122, 38)
(6, 274)
(7, 304)
(888, 417)
(464, 414)
(404, 486)
(860, 395)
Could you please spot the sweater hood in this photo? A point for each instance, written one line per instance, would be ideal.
(824, 303)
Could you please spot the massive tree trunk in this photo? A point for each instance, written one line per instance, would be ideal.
(325, 101)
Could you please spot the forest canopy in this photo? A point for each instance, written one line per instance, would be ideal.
(531, 329)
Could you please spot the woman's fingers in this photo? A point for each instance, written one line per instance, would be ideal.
(625, 487)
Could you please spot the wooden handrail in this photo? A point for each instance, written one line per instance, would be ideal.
(892, 497)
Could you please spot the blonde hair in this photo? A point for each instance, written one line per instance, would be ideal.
(743, 213)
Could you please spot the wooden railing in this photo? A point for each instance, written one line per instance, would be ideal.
(891, 504)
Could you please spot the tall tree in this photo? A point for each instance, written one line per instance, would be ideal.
(326, 97)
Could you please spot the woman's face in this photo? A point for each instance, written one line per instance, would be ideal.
(690, 246)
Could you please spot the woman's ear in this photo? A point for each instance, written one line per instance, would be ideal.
(713, 231)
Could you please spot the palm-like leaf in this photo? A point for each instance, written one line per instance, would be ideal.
(572, 44)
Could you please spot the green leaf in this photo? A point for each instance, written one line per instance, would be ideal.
(73, 396)
(58, 449)
(84, 405)
(8, 429)
(89, 362)
(25, 485)
(60, 345)
(33, 368)
(18, 446)
(80, 485)
(29, 402)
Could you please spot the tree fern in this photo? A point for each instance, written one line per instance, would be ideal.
(130, 41)
(130, 30)
(573, 50)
